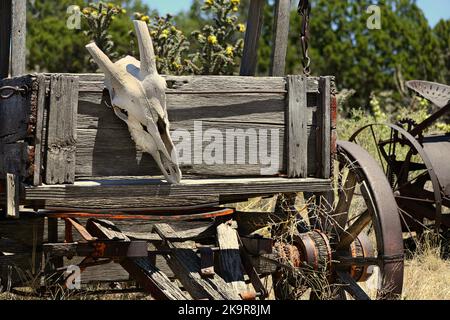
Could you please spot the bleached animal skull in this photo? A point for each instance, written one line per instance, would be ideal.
(138, 98)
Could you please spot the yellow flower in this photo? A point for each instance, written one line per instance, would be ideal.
(176, 65)
(110, 5)
(104, 12)
(209, 2)
(229, 51)
(95, 13)
(164, 34)
(241, 27)
(235, 2)
(212, 39)
(86, 11)
(145, 19)
(235, 9)
(173, 29)
(153, 33)
(124, 11)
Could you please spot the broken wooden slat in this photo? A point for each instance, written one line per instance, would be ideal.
(152, 279)
(280, 37)
(18, 37)
(62, 135)
(298, 124)
(142, 270)
(325, 127)
(254, 26)
(5, 37)
(186, 265)
(12, 196)
(230, 258)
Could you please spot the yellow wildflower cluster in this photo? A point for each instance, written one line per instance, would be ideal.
(229, 51)
(241, 27)
(212, 39)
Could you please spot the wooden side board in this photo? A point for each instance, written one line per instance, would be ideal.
(254, 109)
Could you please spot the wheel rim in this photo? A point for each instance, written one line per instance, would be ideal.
(409, 172)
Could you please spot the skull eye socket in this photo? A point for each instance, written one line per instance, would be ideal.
(161, 126)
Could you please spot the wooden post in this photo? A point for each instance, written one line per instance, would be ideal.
(298, 127)
(12, 196)
(325, 127)
(280, 37)
(18, 37)
(62, 124)
(254, 25)
(5, 37)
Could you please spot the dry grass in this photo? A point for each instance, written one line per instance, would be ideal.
(427, 276)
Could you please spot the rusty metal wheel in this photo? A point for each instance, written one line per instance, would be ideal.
(411, 174)
(351, 248)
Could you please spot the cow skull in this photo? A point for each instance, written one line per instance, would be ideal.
(138, 98)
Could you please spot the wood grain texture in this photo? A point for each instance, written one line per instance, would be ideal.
(254, 26)
(18, 37)
(39, 138)
(5, 37)
(62, 133)
(153, 280)
(325, 127)
(230, 258)
(186, 265)
(298, 128)
(282, 16)
(119, 188)
(12, 196)
(244, 109)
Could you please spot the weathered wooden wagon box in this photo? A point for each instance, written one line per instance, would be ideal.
(237, 137)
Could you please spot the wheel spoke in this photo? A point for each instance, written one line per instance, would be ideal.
(345, 199)
(354, 230)
(377, 142)
(356, 262)
(350, 285)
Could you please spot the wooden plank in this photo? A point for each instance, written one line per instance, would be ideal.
(150, 188)
(5, 37)
(195, 85)
(62, 134)
(254, 26)
(298, 128)
(325, 127)
(39, 136)
(12, 196)
(230, 258)
(186, 265)
(282, 16)
(18, 37)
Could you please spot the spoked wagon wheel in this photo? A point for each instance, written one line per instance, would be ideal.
(355, 251)
(410, 173)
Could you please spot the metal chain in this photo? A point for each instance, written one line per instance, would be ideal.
(304, 10)
(10, 91)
